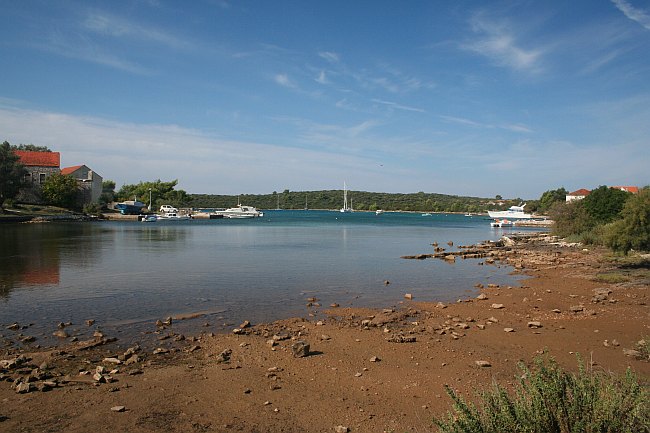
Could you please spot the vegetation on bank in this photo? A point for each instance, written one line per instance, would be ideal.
(607, 216)
(551, 400)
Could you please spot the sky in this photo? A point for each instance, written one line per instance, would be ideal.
(476, 98)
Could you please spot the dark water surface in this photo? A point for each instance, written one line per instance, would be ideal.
(125, 275)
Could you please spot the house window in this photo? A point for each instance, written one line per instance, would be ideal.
(28, 177)
(41, 178)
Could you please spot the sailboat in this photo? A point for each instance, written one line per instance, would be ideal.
(345, 207)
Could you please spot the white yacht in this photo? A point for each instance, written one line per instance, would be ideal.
(513, 212)
(240, 212)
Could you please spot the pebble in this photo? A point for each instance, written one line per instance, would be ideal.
(497, 306)
(408, 296)
(374, 359)
(341, 429)
(508, 329)
(482, 297)
(118, 409)
(483, 363)
(534, 324)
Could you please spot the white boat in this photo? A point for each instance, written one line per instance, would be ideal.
(240, 212)
(426, 214)
(345, 208)
(513, 212)
(501, 223)
(379, 212)
(149, 218)
(173, 216)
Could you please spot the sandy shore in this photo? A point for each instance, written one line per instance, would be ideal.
(366, 370)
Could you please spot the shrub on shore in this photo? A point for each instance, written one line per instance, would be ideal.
(550, 400)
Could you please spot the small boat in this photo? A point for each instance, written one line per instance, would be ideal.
(130, 207)
(501, 223)
(379, 212)
(173, 216)
(513, 212)
(240, 212)
(345, 208)
(426, 214)
(149, 218)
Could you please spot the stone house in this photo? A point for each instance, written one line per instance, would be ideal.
(89, 182)
(577, 195)
(39, 166)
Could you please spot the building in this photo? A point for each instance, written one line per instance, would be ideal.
(39, 166)
(631, 189)
(577, 195)
(90, 183)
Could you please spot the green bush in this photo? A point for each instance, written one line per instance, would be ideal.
(632, 231)
(550, 400)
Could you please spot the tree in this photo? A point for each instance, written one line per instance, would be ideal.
(60, 190)
(32, 148)
(570, 218)
(12, 173)
(550, 197)
(161, 193)
(108, 192)
(604, 204)
(632, 231)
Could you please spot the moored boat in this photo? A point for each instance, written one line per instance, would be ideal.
(501, 223)
(239, 212)
(513, 212)
(345, 208)
(130, 207)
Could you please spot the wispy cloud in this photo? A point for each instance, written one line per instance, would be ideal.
(398, 106)
(110, 25)
(330, 56)
(284, 80)
(513, 127)
(499, 42)
(322, 78)
(640, 16)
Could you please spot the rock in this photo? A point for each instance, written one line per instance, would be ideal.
(160, 350)
(534, 324)
(374, 359)
(479, 326)
(402, 339)
(112, 361)
(245, 324)
(341, 429)
(23, 388)
(90, 322)
(440, 305)
(300, 349)
(493, 320)
(280, 336)
(508, 329)
(632, 353)
(556, 311)
(334, 305)
(450, 243)
(61, 334)
(600, 295)
(576, 308)
(482, 297)
(386, 282)
(325, 337)
(450, 257)
(483, 363)
(118, 409)
(224, 357)
(238, 331)
(408, 296)
(497, 306)
(14, 326)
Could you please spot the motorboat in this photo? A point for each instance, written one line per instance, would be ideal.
(379, 212)
(501, 223)
(426, 214)
(513, 212)
(151, 218)
(130, 207)
(173, 216)
(240, 212)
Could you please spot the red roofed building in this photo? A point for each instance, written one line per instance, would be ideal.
(632, 189)
(90, 183)
(577, 195)
(39, 165)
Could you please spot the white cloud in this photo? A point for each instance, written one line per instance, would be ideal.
(322, 78)
(284, 80)
(640, 16)
(499, 43)
(398, 106)
(330, 56)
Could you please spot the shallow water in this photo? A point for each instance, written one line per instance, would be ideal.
(130, 273)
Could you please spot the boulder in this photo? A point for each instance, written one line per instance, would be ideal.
(300, 349)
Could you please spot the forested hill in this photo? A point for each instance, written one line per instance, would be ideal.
(360, 200)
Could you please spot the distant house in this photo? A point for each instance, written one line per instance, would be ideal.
(577, 195)
(90, 183)
(39, 166)
(632, 189)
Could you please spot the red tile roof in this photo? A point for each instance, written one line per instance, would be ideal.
(632, 189)
(581, 191)
(39, 159)
(70, 170)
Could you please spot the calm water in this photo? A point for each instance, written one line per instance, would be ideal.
(125, 275)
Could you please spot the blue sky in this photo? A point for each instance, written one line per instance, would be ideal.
(457, 97)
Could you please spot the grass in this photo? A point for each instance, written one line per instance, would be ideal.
(612, 278)
(550, 400)
(643, 346)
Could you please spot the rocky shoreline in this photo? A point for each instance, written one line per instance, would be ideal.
(358, 370)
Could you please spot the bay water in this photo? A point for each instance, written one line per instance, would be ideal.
(126, 275)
